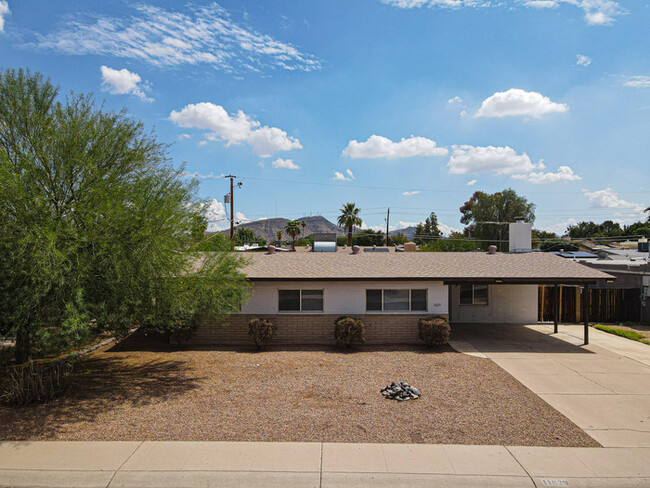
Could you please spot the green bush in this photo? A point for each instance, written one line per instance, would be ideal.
(261, 331)
(434, 330)
(557, 245)
(349, 331)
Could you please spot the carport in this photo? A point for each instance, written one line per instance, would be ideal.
(527, 278)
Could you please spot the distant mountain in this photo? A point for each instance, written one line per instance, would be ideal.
(409, 232)
(268, 228)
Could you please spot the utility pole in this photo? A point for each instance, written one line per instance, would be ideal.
(387, 226)
(232, 207)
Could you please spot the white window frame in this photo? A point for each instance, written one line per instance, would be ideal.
(301, 310)
(474, 304)
(426, 301)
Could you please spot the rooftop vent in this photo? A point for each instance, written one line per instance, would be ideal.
(492, 250)
(355, 249)
(271, 249)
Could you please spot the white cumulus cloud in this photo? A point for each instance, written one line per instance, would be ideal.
(466, 160)
(564, 173)
(285, 163)
(4, 10)
(471, 182)
(382, 147)
(267, 140)
(559, 228)
(446, 229)
(519, 102)
(123, 82)
(217, 217)
(637, 82)
(338, 176)
(582, 60)
(215, 214)
(203, 35)
(455, 100)
(234, 128)
(608, 198)
(409, 193)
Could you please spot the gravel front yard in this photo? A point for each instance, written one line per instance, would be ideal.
(292, 395)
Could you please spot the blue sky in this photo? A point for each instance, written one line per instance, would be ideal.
(407, 104)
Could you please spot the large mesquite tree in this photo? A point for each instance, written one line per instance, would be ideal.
(96, 227)
(487, 215)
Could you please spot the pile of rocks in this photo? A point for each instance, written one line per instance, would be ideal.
(400, 391)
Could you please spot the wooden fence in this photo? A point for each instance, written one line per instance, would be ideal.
(605, 305)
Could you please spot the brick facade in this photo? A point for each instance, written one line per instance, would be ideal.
(311, 329)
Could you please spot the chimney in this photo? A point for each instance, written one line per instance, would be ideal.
(410, 247)
(271, 249)
(492, 250)
(356, 249)
(520, 236)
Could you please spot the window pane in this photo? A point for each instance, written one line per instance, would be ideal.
(312, 300)
(396, 300)
(289, 300)
(466, 294)
(419, 300)
(480, 294)
(373, 300)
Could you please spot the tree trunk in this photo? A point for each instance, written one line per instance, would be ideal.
(350, 236)
(23, 346)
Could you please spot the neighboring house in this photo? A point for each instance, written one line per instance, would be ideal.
(627, 299)
(631, 267)
(304, 292)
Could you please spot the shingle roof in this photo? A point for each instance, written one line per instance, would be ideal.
(462, 266)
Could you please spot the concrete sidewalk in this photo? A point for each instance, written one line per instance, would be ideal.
(604, 388)
(216, 464)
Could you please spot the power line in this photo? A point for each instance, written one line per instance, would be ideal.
(436, 190)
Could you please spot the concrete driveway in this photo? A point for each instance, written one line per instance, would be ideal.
(604, 387)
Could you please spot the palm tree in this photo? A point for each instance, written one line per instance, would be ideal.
(349, 218)
(279, 235)
(293, 229)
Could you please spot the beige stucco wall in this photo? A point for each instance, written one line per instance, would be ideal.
(507, 304)
(343, 297)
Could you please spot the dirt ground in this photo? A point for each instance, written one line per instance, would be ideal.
(156, 392)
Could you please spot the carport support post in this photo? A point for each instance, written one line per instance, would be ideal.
(556, 308)
(585, 311)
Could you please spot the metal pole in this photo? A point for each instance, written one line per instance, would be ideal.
(232, 207)
(387, 219)
(232, 210)
(556, 310)
(585, 301)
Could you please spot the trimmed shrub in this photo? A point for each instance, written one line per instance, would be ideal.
(261, 331)
(349, 331)
(434, 330)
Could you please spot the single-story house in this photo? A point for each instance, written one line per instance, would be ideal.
(304, 292)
